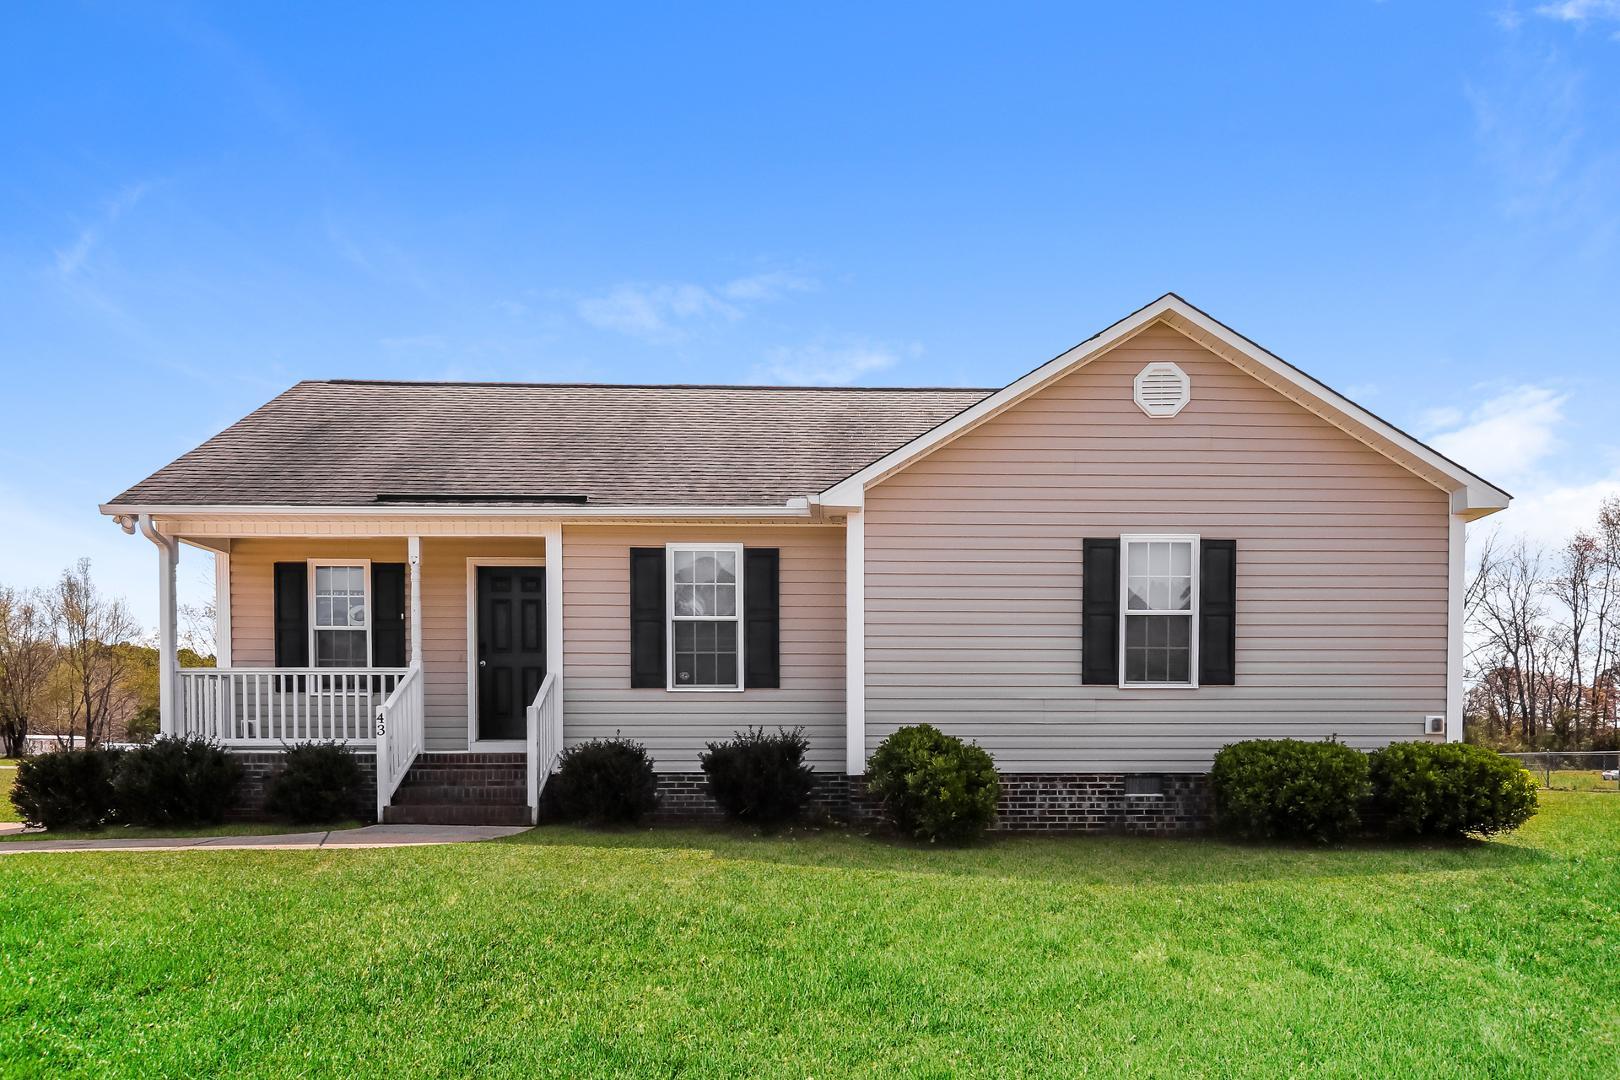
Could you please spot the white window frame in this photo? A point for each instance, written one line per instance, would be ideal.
(1192, 614)
(670, 619)
(371, 637)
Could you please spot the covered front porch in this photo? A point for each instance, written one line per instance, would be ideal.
(400, 639)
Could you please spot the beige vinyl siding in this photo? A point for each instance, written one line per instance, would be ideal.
(973, 577)
(444, 610)
(598, 699)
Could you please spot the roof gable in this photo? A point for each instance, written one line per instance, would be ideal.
(1471, 495)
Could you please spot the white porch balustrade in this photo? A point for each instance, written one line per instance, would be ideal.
(265, 708)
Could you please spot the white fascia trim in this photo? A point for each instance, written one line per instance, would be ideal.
(1477, 496)
(798, 507)
(1456, 589)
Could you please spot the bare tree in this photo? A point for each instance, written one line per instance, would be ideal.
(27, 659)
(1512, 626)
(89, 627)
(1572, 586)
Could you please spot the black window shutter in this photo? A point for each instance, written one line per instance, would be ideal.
(762, 618)
(292, 614)
(1099, 612)
(1217, 613)
(647, 617)
(388, 614)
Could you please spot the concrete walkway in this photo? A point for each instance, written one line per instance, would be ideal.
(371, 836)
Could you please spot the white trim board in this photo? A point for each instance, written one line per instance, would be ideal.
(474, 743)
(1472, 496)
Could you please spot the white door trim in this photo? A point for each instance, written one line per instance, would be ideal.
(474, 743)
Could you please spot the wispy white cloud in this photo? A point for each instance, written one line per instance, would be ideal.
(1514, 438)
(71, 259)
(668, 311)
(1505, 437)
(1581, 11)
(828, 364)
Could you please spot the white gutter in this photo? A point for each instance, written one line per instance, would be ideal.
(798, 507)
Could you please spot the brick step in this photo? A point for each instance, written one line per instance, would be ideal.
(449, 793)
(446, 758)
(467, 777)
(455, 814)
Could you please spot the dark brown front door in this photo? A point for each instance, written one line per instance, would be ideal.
(511, 647)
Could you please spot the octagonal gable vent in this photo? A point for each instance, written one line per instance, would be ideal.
(1162, 389)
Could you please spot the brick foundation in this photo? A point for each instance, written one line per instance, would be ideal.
(259, 767)
(683, 798)
(1030, 802)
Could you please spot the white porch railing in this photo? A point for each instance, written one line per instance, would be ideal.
(545, 738)
(263, 708)
(399, 735)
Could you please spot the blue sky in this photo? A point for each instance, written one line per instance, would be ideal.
(1417, 202)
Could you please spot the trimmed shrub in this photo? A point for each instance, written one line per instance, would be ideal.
(67, 789)
(319, 782)
(603, 782)
(1285, 789)
(1449, 790)
(184, 780)
(758, 778)
(934, 786)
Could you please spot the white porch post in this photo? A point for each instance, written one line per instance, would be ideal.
(168, 642)
(553, 534)
(855, 642)
(413, 549)
(222, 608)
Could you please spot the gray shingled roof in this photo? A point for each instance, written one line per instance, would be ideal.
(352, 443)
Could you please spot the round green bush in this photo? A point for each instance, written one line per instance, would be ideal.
(1449, 790)
(603, 782)
(176, 780)
(934, 786)
(758, 778)
(319, 782)
(1285, 789)
(66, 789)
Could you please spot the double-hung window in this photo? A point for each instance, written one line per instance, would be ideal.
(705, 623)
(1159, 607)
(339, 623)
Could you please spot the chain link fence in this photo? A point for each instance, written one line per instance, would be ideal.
(1576, 770)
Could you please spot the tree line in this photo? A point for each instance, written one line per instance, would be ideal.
(73, 665)
(1544, 633)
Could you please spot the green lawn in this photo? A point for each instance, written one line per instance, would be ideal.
(692, 953)
(1577, 780)
(141, 832)
(8, 773)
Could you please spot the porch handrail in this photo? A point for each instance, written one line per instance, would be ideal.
(544, 716)
(399, 735)
(265, 707)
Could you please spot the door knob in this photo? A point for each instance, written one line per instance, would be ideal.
(480, 663)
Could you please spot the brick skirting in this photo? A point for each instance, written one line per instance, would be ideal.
(259, 767)
(1030, 802)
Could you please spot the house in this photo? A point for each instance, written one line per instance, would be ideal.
(1164, 540)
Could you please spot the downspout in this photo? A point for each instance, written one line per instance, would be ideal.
(168, 652)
